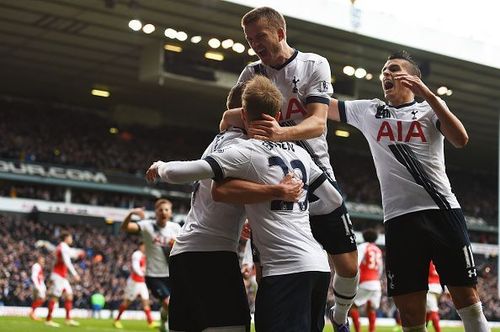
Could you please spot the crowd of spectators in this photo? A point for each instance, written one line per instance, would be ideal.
(63, 135)
(106, 266)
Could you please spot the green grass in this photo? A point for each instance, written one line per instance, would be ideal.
(21, 324)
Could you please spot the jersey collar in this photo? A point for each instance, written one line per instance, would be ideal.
(290, 59)
(403, 105)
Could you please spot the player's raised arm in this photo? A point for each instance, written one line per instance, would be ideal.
(239, 191)
(231, 118)
(128, 225)
(451, 127)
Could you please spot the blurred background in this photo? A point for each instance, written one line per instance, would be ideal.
(92, 92)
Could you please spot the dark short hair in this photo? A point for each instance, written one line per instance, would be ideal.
(64, 235)
(370, 235)
(234, 96)
(413, 65)
(272, 16)
(261, 96)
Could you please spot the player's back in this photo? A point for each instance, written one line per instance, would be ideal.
(371, 265)
(210, 225)
(281, 230)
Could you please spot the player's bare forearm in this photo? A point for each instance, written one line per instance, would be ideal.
(333, 110)
(451, 127)
(128, 226)
(239, 191)
(231, 118)
(312, 126)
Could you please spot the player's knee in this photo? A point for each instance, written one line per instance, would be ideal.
(346, 265)
(463, 296)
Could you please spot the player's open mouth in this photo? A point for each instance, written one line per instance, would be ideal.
(388, 85)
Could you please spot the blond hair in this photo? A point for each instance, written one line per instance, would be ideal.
(261, 96)
(162, 201)
(272, 17)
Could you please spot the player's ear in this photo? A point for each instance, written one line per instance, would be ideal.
(281, 34)
(244, 116)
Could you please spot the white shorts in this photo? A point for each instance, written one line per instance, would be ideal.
(364, 295)
(135, 289)
(59, 285)
(40, 292)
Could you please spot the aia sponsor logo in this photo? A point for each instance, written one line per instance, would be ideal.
(402, 132)
(293, 109)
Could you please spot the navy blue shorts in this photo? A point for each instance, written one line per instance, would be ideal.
(414, 239)
(292, 302)
(334, 230)
(207, 291)
(159, 286)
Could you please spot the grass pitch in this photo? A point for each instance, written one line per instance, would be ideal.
(24, 324)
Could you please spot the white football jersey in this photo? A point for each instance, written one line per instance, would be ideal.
(157, 242)
(209, 225)
(280, 230)
(408, 152)
(305, 78)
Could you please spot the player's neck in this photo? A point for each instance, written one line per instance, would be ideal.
(400, 100)
(285, 54)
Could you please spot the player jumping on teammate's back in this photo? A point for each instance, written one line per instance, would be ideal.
(294, 266)
(304, 81)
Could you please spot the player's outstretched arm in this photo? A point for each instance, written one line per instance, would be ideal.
(239, 191)
(231, 118)
(179, 171)
(451, 127)
(128, 225)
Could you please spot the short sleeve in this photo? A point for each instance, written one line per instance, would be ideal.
(232, 161)
(352, 112)
(246, 74)
(320, 87)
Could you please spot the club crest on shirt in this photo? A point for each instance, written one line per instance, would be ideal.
(295, 81)
(414, 114)
(382, 112)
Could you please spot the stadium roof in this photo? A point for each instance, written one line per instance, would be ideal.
(60, 49)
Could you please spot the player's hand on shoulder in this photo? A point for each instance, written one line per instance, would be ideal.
(267, 129)
(291, 188)
(152, 174)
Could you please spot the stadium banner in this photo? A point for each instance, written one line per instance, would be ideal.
(25, 205)
(373, 211)
(77, 177)
(28, 205)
